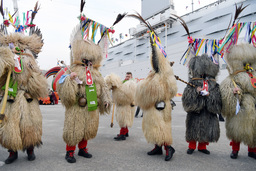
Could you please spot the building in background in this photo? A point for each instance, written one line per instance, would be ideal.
(210, 22)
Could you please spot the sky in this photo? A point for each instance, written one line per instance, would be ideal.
(57, 18)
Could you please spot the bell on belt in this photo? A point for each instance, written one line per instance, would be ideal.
(10, 99)
(82, 102)
(28, 97)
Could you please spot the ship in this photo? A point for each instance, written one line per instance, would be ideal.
(208, 22)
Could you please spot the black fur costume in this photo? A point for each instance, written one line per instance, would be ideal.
(202, 124)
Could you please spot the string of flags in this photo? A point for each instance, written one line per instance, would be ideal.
(216, 47)
(90, 26)
(16, 22)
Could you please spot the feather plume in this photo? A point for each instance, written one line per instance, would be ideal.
(139, 17)
(154, 58)
(183, 23)
(238, 12)
(82, 6)
(36, 8)
(1, 8)
(119, 18)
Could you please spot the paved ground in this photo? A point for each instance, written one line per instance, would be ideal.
(126, 155)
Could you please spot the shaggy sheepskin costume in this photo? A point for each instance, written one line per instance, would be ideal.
(123, 95)
(81, 124)
(202, 124)
(240, 124)
(153, 95)
(22, 126)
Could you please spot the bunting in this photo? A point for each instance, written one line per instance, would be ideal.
(90, 26)
(15, 22)
(215, 47)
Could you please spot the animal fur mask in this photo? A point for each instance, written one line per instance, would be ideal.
(239, 56)
(202, 65)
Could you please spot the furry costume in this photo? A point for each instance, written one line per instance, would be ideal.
(80, 124)
(123, 96)
(240, 127)
(153, 95)
(22, 127)
(202, 124)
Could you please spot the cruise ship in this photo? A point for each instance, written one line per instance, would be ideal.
(208, 22)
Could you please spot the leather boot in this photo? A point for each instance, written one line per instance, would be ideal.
(252, 154)
(169, 152)
(83, 152)
(126, 135)
(120, 137)
(12, 157)
(70, 157)
(31, 154)
(156, 151)
(234, 154)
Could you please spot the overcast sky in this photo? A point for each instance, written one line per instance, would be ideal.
(57, 18)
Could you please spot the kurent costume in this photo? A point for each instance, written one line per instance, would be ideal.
(21, 127)
(123, 96)
(240, 123)
(202, 124)
(153, 95)
(201, 98)
(85, 96)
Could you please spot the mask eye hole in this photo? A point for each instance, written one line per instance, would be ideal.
(160, 105)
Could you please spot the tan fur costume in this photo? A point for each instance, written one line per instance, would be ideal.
(79, 122)
(22, 126)
(240, 127)
(160, 85)
(123, 96)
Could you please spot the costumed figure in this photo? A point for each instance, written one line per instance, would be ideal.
(239, 88)
(123, 95)
(202, 103)
(22, 81)
(82, 89)
(153, 95)
(201, 99)
(238, 97)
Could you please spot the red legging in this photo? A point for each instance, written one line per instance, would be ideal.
(124, 130)
(82, 144)
(201, 145)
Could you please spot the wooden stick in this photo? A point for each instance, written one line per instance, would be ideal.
(238, 92)
(2, 115)
(112, 119)
(177, 78)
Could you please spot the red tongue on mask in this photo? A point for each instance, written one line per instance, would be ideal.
(205, 85)
(89, 80)
(253, 79)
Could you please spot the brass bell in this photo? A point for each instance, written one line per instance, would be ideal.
(28, 97)
(82, 102)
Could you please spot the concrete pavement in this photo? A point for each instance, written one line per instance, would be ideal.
(130, 154)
